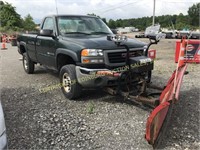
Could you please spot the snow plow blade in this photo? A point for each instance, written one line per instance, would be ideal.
(160, 116)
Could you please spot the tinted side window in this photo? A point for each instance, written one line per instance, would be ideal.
(48, 24)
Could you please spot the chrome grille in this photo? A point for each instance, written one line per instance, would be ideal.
(120, 57)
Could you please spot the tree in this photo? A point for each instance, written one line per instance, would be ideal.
(112, 24)
(103, 19)
(10, 19)
(193, 13)
(119, 23)
(182, 22)
(28, 23)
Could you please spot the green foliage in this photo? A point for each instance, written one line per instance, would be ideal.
(28, 23)
(10, 19)
(179, 21)
(182, 22)
(190, 21)
(103, 19)
(90, 108)
(193, 13)
(111, 24)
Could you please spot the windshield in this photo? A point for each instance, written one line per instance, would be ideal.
(82, 25)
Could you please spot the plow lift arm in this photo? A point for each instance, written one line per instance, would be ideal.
(162, 105)
(142, 96)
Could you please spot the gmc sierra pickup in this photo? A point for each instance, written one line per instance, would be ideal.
(78, 47)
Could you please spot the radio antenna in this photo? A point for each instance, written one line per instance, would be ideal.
(56, 7)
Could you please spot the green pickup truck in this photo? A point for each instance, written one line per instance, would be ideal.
(78, 48)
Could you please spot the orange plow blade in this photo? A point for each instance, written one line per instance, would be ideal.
(159, 117)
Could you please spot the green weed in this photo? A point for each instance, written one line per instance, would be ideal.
(90, 108)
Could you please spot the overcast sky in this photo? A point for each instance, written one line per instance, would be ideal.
(109, 9)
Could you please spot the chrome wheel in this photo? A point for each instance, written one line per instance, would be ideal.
(66, 82)
(25, 63)
(70, 87)
(28, 64)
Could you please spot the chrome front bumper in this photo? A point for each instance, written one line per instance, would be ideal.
(90, 77)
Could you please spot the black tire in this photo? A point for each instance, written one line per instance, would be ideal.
(28, 64)
(70, 86)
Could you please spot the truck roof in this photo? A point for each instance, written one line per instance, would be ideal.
(71, 15)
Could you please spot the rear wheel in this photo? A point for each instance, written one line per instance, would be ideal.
(28, 64)
(70, 86)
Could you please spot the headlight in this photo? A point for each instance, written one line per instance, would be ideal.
(92, 52)
(92, 56)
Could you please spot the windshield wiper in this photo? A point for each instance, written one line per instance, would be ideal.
(100, 32)
(77, 33)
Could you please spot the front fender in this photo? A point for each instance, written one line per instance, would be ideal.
(70, 53)
(21, 43)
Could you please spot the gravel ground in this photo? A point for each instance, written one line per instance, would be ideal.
(38, 120)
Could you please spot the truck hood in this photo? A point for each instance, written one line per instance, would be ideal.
(100, 42)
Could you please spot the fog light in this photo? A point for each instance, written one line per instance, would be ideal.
(96, 60)
(89, 60)
(86, 60)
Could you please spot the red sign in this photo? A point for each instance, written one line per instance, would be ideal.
(192, 53)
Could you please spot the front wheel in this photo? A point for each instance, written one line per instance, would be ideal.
(28, 64)
(70, 86)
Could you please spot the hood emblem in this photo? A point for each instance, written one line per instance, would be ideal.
(131, 54)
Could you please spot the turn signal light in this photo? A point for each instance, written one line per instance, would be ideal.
(84, 52)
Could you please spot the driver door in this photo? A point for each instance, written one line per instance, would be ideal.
(46, 46)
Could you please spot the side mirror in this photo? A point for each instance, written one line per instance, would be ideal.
(47, 32)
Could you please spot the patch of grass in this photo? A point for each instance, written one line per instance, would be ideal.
(195, 63)
(90, 108)
(160, 72)
(156, 59)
